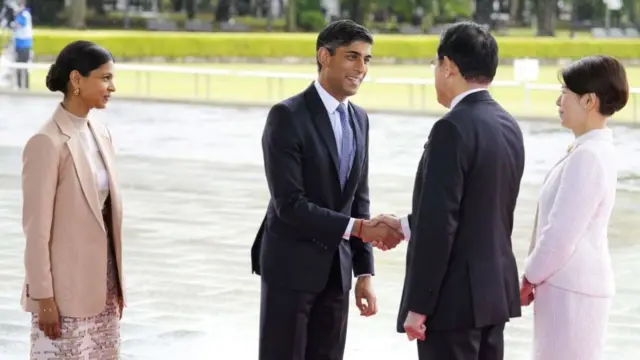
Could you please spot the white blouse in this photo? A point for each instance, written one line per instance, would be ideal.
(92, 151)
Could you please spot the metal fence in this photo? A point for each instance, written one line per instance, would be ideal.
(202, 84)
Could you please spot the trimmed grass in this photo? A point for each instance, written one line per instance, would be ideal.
(245, 90)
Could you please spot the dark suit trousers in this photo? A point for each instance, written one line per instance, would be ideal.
(22, 75)
(485, 343)
(296, 325)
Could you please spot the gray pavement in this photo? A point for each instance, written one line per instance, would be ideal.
(194, 194)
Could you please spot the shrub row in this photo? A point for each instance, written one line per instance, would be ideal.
(143, 44)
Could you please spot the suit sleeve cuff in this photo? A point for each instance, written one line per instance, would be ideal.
(361, 275)
(347, 232)
(406, 229)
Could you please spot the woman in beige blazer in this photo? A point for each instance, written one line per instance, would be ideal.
(72, 217)
(569, 263)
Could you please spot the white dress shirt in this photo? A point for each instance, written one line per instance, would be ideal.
(571, 246)
(404, 221)
(331, 104)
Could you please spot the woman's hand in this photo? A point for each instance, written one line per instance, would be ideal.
(49, 318)
(527, 292)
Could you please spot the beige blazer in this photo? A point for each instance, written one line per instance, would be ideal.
(66, 239)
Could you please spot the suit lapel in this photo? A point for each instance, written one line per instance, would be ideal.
(322, 123)
(81, 163)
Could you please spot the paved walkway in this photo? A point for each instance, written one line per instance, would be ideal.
(193, 204)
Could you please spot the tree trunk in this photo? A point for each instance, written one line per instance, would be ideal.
(484, 9)
(269, 14)
(257, 8)
(632, 10)
(291, 16)
(360, 10)
(190, 6)
(223, 9)
(516, 12)
(546, 17)
(176, 5)
(77, 14)
(355, 12)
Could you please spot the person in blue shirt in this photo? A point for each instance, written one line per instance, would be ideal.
(23, 41)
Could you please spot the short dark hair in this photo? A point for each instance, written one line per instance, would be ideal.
(341, 33)
(472, 48)
(83, 56)
(602, 75)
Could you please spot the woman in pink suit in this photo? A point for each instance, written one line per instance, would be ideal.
(569, 265)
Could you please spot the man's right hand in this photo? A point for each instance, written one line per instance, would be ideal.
(394, 223)
(49, 318)
(379, 232)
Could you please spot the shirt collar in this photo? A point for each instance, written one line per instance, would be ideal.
(595, 134)
(456, 100)
(330, 103)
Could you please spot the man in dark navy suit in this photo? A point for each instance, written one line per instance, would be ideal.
(461, 285)
(315, 234)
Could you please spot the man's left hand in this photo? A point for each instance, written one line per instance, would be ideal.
(365, 296)
(415, 326)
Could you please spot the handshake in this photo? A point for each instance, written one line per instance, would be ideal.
(383, 231)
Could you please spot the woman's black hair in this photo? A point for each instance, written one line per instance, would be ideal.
(603, 76)
(83, 56)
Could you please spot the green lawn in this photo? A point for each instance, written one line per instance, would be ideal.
(377, 96)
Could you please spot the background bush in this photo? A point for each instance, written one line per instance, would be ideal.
(143, 44)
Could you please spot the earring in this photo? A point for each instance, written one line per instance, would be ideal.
(76, 92)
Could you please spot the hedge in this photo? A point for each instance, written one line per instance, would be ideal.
(144, 44)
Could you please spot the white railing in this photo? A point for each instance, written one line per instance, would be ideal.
(143, 72)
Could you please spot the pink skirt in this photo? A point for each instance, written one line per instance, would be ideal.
(569, 325)
(96, 337)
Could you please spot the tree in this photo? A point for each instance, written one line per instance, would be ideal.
(78, 14)
(97, 6)
(45, 11)
(291, 16)
(359, 10)
(516, 12)
(632, 10)
(546, 17)
(223, 11)
(190, 6)
(484, 9)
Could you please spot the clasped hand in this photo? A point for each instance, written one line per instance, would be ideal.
(383, 232)
(527, 292)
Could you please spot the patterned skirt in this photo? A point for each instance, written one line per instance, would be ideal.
(96, 337)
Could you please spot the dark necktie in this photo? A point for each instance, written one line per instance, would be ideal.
(346, 146)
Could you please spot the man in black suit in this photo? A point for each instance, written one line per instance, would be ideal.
(461, 282)
(315, 146)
